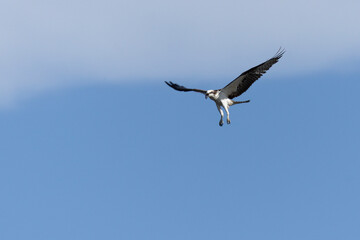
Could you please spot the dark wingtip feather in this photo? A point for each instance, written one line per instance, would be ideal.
(177, 87)
(279, 53)
(171, 84)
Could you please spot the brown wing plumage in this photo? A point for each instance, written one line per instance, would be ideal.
(240, 84)
(184, 89)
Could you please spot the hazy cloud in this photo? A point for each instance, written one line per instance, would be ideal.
(50, 44)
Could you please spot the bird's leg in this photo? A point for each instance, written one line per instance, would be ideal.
(222, 115)
(227, 114)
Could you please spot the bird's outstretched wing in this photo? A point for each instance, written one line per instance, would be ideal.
(240, 84)
(184, 89)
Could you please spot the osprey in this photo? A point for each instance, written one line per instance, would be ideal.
(223, 97)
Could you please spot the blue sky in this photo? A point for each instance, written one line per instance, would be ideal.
(95, 146)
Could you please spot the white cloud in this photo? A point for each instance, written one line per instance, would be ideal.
(50, 44)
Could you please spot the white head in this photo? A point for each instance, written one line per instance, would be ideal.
(210, 94)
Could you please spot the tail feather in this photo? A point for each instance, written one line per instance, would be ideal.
(238, 102)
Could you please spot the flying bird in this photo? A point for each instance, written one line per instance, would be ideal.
(223, 97)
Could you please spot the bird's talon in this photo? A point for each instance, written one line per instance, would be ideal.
(221, 123)
(228, 121)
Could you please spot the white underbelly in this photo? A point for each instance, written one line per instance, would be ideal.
(223, 100)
